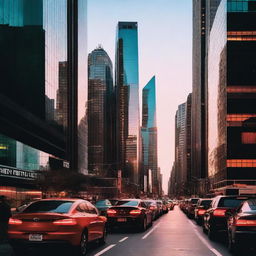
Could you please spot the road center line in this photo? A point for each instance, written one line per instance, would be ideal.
(104, 250)
(120, 241)
(144, 237)
(204, 241)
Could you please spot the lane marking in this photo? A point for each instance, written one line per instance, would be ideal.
(106, 249)
(144, 237)
(204, 241)
(120, 241)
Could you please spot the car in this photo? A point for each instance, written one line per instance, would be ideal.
(190, 211)
(171, 204)
(153, 207)
(165, 206)
(202, 205)
(215, 218)
(74, 222)
(160, 207)
(242, 227)
(130, 212)
(103, 206)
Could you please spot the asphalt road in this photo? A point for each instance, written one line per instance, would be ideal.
(171, 235)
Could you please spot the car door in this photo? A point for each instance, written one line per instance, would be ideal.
(97, 223)
(147, 212)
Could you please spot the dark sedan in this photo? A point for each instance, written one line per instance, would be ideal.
(202, 205)
(103, 206)
(242, 227)
(215, 218)
(130, 212)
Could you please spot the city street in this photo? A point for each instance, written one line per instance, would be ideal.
(172, 234)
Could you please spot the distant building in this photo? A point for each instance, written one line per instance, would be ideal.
(127, 102)
(100, 107)
(149, 132)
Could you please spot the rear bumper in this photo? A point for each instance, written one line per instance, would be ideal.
(113, 221)
(71, 238)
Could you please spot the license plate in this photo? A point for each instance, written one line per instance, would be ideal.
(35, 237)
(121, 219)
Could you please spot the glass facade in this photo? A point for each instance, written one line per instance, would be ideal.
(217, 105)
(149, 132)
(127, 94)
(35, 84)
(231, 86)
(100, 129)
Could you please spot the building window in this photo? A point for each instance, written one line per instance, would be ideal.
(248, 137)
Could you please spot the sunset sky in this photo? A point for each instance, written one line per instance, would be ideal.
(165, 50)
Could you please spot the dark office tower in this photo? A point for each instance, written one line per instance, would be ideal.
(199, 124)
(149, 132)
(100, 90)
(62, 97)
(36, 37)
(180, 140)
(187, 148)
(127, 95)
(232, 100)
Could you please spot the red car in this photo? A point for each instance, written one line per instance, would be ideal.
(68, 221)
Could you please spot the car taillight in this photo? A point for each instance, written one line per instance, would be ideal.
(65, 222)
(152, 208)
(135, 212)
(219, 212)
(15, 221)
(242, 222)
(201, 212)
(111, 212)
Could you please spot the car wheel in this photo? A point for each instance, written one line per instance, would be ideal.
(83, 244)
(212, 234)
(104, 237)
(143, 224)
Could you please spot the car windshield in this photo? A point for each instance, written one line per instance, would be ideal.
(127, 203)
(206, 202)
(49, 206)
(194, 200)
(103, 203)
(230, 202)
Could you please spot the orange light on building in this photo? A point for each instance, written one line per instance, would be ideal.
(241, 89)
(241, 35)
(239, 117)
(249, 163)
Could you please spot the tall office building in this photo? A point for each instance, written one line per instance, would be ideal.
(199, 121)
(36, 37)
(100, 109)
(149, 133)
(127, 101)
(231, 89)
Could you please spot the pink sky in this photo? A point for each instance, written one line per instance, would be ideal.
(165, 50)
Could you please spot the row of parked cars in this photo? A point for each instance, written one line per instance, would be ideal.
(77, 222)
(234, 216)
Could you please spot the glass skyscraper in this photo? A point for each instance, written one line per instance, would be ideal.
(149, 133)
(43, 91)
(127, 100)
(231, 83)
(100, 109)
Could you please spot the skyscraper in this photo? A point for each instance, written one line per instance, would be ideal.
(149, 133)
(100, 121)
(127, 100)
(231, 89)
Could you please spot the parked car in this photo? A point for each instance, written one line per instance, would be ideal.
(165, 206)
(203, 204)
(242, 227)
(130, 212)
(103, 206)
(215, 218)
(69, 221)
(190, 211)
